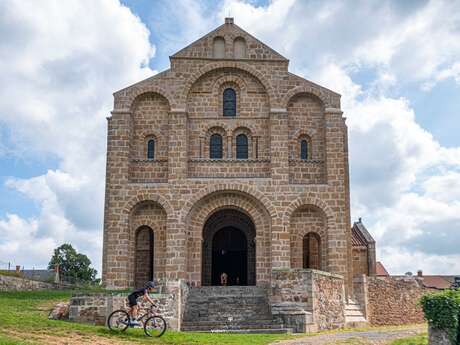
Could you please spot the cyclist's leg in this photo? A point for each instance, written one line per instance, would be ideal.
(135, 309)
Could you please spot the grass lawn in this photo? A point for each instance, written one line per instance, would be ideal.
(23, 321)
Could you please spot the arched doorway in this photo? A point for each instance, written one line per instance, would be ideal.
(229, 246)
(144, 256)
(312, 251)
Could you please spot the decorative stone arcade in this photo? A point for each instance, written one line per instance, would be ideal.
(229, 246)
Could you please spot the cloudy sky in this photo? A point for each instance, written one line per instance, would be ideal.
(396, 64)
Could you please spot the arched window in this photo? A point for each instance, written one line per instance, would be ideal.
(312, 251)
(144, 256)
(304, 149)
(215, 146)
(229, 102)
(241, 146)
(219, 47)
(239, 48)
(151, 149)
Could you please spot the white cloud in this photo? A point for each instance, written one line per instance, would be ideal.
(403, 180)
(61, 62)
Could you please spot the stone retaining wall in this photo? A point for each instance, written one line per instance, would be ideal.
(10, 283)
(309, 298)
(95, 308)
(394, 301)
(328, 300)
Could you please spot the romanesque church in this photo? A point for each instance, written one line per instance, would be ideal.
(228, 163)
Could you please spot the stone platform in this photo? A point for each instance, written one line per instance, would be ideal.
(230, 309)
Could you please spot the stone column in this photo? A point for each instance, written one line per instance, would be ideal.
(176, 247)
(229, 147)
(177, 161)
(255, 147)
(279, 148)
(339, 229)
(115, 250)
(202, 141)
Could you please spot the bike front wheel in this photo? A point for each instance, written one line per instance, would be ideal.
(118, 321)
(155, 326)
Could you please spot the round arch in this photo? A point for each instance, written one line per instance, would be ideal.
(272, 99)
(138, 91)
(205, 207)
(250, 191)
(146, 196)
(309, 90)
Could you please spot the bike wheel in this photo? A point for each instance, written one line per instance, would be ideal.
(118, 321)
(155, 326)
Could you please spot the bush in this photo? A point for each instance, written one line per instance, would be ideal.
(442, 311)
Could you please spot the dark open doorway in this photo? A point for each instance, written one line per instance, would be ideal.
(229, 246)
(230, 255)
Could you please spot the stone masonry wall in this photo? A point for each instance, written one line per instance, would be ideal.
(394, 301)
(9, 283)
(316, 293)
(328, 300)
(180, 108)
(95, 308)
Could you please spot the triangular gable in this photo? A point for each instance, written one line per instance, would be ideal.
(203, 47)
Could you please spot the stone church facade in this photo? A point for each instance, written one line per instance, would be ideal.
(227, 162)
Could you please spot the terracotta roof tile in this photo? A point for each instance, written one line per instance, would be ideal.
(380, 270)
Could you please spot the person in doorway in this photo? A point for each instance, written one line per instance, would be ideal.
(133, 305)
(237, 281)
(223, 279)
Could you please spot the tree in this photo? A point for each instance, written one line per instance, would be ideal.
(73, 266)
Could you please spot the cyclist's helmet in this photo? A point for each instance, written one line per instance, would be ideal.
(150, 285)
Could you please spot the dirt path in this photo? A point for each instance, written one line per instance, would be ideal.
(368, 337)
(73, 338)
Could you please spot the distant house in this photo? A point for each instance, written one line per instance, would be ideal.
(43, 275)
(380, 270)
(437, 282)
(363, 250)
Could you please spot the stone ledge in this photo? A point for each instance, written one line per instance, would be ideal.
(228, 160)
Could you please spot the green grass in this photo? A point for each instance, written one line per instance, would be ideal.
(421, 339)
(23, 320)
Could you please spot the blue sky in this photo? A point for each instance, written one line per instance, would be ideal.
(396, 64)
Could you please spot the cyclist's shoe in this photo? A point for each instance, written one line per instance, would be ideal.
(134, 323)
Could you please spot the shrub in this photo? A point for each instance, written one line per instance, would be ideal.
(442, 311)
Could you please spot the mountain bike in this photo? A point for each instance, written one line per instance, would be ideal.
(154, 325)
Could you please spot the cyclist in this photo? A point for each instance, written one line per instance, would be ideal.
(132, 299)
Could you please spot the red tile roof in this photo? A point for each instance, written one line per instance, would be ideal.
(380, 270)
(435, 282)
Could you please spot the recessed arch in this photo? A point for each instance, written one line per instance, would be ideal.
(136, 92)
(218, 47)
(272, 99)
(308, 90)
(201, 212)
(239, 48)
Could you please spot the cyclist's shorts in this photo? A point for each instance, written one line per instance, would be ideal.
(132, 300)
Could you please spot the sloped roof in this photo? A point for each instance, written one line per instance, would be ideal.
(380, 270)
(360, 236)
(202, 47)
(436, 282)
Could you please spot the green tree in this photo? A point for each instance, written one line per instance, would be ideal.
(73, 266)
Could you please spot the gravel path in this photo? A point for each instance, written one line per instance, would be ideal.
(369, 337)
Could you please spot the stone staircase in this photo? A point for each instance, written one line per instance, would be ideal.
(354, 316)
(235, 309)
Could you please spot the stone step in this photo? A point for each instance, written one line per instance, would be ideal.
(355, 319)
(251, 331)
(353, 313)
(266, 324)
(352, 307)
(226, 291)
